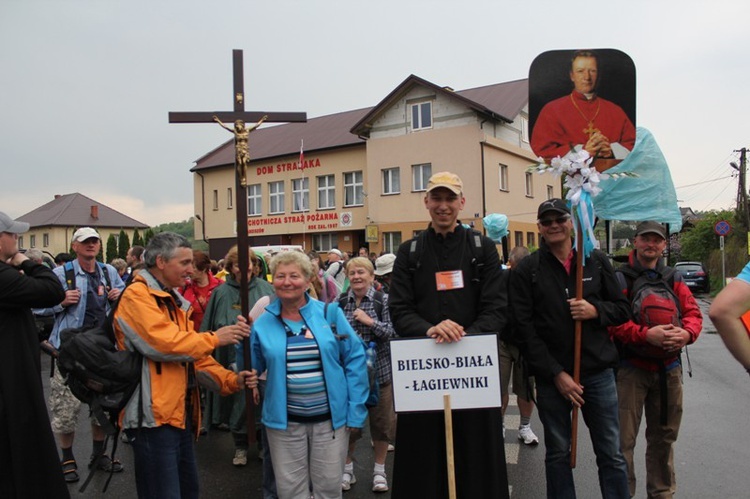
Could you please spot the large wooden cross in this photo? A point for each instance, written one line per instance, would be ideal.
(242, 158)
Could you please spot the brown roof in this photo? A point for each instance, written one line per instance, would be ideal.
(501, 101)
(75, 210)
(324, 132)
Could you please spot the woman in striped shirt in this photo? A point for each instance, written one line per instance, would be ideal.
(316, 384)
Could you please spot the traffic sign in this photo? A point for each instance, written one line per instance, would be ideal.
(722, 228)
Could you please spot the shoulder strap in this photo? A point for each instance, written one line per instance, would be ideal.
(626, 275)
(377, 303)
(343, 300)
(415, 251)
(474, 240)
(338, 270)
(105, 271)
(70, 275)
(535, 260)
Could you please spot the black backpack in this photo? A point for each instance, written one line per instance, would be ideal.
(70, 275)
(377, 302)
(473, 240)
(100, 375)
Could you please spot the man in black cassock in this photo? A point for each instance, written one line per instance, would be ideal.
(29, 465)
(470, 300)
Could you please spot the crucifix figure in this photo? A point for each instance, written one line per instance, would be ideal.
(242, 160)
(241, 148)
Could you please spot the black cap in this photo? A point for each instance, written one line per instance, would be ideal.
(554, 204)
(650, 228)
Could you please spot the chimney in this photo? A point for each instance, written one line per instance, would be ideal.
(95, 212)
(57, 196)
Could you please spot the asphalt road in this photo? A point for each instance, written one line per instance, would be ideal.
(711, 454)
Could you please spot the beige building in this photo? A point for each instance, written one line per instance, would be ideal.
(53, 224)
(363, 176)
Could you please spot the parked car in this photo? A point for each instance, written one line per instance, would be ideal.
(695, 276)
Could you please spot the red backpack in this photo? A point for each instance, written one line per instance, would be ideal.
(653, 302)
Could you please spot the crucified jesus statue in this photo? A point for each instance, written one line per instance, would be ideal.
(242, 151)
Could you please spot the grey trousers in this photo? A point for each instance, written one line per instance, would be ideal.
(308, 454)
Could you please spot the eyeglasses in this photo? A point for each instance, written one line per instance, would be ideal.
(560, 220)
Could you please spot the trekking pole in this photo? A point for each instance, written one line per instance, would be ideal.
(577, 348)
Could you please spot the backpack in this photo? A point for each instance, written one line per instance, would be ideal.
(653, 302)
(374, 397)
(70, 275)
(100, 375)
(377, 303)
(473, 240)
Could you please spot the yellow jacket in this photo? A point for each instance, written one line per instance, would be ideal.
(151, 321)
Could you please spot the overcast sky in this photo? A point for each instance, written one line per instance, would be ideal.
(85, 86)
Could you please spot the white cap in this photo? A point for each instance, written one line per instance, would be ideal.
(384, 264)
(85, 233)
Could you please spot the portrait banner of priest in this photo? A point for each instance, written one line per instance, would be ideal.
(582, 99)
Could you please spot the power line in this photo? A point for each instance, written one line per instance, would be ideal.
(704, 182)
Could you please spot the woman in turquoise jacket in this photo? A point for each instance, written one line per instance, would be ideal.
(316, 382)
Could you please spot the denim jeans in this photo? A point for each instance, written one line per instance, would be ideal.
(601, 416)
(165, 465)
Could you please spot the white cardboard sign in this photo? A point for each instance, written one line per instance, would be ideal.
(424, 371)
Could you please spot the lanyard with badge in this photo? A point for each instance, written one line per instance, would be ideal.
(448, 280)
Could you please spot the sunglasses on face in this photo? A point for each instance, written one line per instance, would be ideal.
(560, 220)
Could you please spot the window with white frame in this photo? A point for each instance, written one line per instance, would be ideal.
(20, 242)
(276, 197)
(230, 199)
(253, 200)
(324, 242)
(503, 177)
(391, 241)
(301, 194)
(421, 115)
(420, 175)
(354, 192)
(32, 241)
(326, 192)
(45, 240)
(524, 129)
(215, 203)
(550, 192)
(391, 180)
(529, 185)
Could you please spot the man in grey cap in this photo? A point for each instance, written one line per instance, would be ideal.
(29, 465)
(336, 268)
(89, 295)
(665, 319)
(542, 294)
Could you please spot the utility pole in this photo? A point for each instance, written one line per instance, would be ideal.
(743, 209)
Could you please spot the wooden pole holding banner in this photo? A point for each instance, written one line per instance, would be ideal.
(450, 460)
(577, 348)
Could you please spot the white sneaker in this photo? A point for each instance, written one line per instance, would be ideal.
(379, 482)
(528, 437)
(240, 457)
(347, 480)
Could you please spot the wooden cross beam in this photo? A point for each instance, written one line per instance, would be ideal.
(242, 158)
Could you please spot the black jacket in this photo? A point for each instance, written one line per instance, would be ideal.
(29, 464)
(415, 303)
(545, 329)
(480, 307)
